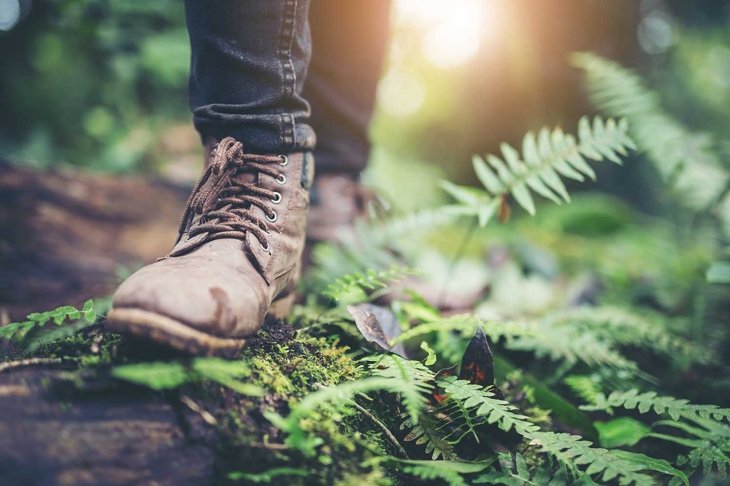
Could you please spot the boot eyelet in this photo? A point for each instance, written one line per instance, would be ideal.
(277, 198)
(264, 247)
(280, 179)
(284, 160)
(273, 217)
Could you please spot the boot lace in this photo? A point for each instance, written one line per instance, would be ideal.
(225, 195)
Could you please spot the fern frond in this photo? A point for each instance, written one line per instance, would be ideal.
(624, 467)
(156, 375)
(584, 386)
(164, 375)
(380, 232)
(517, 473)
(368, 280)
(623, 327)
(570, 345)
(410, 379)
(482, 403)
(670, 146)
(572, 450)
(413, 379)
(18, 330)
(545, 158)
(466, 325)
(708, 455)
(427, 432)
(676, 408)
(339, 395)
(710, 443)
(448, 471)
(465, 423)
(594, 336)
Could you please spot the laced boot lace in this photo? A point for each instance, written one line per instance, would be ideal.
(225, 195)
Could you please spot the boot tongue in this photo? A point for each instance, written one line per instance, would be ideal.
(221, 176)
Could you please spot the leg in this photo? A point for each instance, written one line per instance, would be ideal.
(349, 39)
(249, 60)
(241, 238)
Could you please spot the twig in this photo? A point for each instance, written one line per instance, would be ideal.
(22, 363)
(271, 447)
(204, 414)
(382, 426)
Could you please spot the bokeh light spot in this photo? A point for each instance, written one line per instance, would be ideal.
(9, 14)
(400, 93)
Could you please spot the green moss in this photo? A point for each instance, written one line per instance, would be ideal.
(292, 369)
(289, 365)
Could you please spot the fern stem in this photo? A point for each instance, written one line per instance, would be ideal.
(382, 427)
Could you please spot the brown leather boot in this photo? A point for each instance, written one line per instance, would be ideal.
(338, 200)
(236, 260)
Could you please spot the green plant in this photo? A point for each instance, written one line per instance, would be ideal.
(545, 157)
(166, 375)
(19, 330)
(689, 162)
(267, 476)
(482, 403)
(623, 466)
(644, 402)
(451, 472)
(364, 281)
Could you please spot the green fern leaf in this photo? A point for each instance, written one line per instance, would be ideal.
(645, 402)
(544, 159)
(482, 403)
(19, 330)
(168, 375)
(584, 386)
(448, 471)
(466, 325)
(427, 432)
(413, 378)
(621, 466)
(156, 375)
(670, 146)
(365, 281)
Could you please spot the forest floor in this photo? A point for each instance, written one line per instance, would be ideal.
(81, 405)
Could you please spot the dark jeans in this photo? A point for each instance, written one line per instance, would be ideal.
(272, 73)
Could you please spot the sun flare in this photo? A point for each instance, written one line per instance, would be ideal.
(451, 32)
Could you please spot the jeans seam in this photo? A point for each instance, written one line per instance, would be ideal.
(289, 79)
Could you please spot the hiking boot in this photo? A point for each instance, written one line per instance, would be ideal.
(338, 201)
(237, 257)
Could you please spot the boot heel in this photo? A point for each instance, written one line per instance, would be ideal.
(281, 307)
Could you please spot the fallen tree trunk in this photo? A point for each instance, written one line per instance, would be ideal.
(48, 436)
(65, 236)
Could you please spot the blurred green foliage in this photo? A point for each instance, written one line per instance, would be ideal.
(90, 82)
(94, 82)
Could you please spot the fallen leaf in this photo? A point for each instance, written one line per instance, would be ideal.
(378, 325)
(477, 364)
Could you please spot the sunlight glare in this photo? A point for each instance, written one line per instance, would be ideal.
(452, 31)
(400, 93)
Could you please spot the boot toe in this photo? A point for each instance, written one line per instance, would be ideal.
(211, 300)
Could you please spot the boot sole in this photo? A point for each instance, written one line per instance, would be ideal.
(178, 335)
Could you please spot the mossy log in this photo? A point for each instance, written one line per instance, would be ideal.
(50, 437)
(64, 419)
(65, 237)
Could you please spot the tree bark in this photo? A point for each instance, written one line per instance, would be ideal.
(66, 236)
